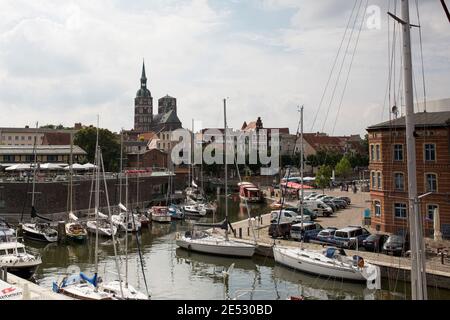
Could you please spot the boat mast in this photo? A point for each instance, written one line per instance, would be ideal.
(34, 168)
(71, 174)
(126, 231)
(97, 198)
(301, 173)
(226, 165)
(418, 272)
(121, 166)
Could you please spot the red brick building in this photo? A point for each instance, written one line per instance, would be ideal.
(389, 177)
(153, 158)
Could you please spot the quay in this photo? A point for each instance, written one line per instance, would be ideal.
(392, 268)
(32, 291)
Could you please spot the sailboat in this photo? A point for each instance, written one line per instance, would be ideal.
(79, 285)
(75, 231)
(204, 242)
(39, 231)
(330, 262)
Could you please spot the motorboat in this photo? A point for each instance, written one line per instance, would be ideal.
(331, 262)
(39, 231)
(17, 261)
(204, 242)
(249, 192)
(160, 214)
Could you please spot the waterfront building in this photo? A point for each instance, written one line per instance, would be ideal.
(10, 155)
(26, 136)
(388, 171)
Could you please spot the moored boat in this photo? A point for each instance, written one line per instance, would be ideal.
(249, 192)
(14, 257)
(160, 214)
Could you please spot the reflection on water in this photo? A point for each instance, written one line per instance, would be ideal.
(174, 273)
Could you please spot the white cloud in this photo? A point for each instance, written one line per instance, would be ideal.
(68, 61)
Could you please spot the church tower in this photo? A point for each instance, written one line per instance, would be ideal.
(143, 106)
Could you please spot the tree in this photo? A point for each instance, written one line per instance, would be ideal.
(343, 168)
(56, 127)
(108, 142)
(323, 177)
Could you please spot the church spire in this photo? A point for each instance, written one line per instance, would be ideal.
(143, 77)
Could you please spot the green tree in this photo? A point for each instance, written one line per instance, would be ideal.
(109, 144)
(323, 177)
(343, 168)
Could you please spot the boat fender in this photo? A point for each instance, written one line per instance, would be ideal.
(359, 261)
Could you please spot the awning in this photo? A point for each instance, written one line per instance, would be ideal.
(294, 185)
(75, 166)
(89, 166)
(50, 166)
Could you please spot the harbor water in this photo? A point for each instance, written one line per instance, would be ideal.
(174, 273)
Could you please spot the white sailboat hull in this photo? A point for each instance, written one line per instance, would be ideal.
(309, 262)
(217, 246)
(162, 219)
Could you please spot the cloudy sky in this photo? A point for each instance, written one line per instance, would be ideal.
(67, 61)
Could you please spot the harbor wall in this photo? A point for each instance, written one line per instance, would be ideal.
(51, 198)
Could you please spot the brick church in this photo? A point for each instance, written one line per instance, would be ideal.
(144, 121)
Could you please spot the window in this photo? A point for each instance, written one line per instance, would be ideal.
(22, 137)
(431, 209)
(398, 152)
(373, 180)
(52, 158)
(372, 152)
(377, 206)
(379, 180)
(378, 152)
(9, 138)
(399, 181)
(400, 210)
(430, 152)
(431, 182)
(9, 158)
(16, 138)
(29, 158)
(29, 137)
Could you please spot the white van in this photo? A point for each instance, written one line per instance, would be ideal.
(319, 207)
(287, 217)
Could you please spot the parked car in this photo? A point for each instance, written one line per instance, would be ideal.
(396, 244)
(351, 237)
(306, 211)
(280, 230)
(310, 230)
(319, 207)
(287, 217)
(375, 242)
(346, 199)
(330, 204)
(325, 236)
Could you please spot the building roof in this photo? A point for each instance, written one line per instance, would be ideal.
(168, 117)
(56, 138)
(166, 97)
(147, 136)
(429, 119)
(34, 130)
(40, 150)
(319, 141)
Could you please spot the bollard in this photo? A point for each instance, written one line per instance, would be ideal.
(240, 233)
(26, 292)
(5, 274)
(61, 231)
(248, 232)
